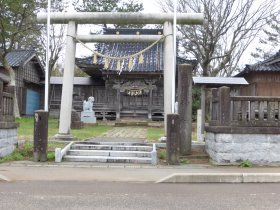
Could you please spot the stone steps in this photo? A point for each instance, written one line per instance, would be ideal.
(106, 159)
(111, 153)
(111, 147)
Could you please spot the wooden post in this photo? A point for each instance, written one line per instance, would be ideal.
(185, 107)
(118, 114)
(150, 101)
(40, 135)
(224, 106)
(173, 139)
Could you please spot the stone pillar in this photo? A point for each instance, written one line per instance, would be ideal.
(68, 80)
(203, 105)
(173, 139)
(168, 70)
(40, 135)
(185, 107)
(200, 134)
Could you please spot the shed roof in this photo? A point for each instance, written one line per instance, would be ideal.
(17, 58)
(153, 58)
(272, 64)
(219, 81)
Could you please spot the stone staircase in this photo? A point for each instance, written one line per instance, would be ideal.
(111, 152)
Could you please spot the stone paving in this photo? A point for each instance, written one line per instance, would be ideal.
(126, 132)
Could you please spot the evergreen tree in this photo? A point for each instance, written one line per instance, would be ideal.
(110, 6)
(17, 26)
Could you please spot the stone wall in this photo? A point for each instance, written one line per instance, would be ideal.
(260, 149)
(8, 140)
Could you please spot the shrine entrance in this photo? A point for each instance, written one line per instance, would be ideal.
(135, 96)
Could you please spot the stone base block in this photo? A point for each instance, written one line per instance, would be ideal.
(77, 125)
(88, 117)
(8, 141)
(260, 149)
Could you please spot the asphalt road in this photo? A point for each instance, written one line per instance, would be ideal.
(85, 195)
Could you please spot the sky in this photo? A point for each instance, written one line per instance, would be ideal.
(150, 6)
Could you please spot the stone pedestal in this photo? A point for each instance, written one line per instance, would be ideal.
(88, 117)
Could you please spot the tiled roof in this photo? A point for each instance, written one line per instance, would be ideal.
(17, 57)
(153, 58)
(271, 64)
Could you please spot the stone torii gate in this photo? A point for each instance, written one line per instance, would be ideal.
(72, 19)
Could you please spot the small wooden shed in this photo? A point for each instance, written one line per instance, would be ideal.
(29, 75)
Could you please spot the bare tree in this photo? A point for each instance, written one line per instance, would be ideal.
(269, 38)
(229, 28)
(57, 36)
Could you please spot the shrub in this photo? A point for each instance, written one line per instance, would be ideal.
(246, 164)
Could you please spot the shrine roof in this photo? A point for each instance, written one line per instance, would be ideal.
(271, 64)
(153, 58)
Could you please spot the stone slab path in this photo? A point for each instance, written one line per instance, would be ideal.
(126, 132)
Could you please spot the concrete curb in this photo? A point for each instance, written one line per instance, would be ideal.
(3, 178)
(221, 178)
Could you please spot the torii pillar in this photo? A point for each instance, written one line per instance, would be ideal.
(68, 82)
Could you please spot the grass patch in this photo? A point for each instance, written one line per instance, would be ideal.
(246, 164)
(26, 129)
(154, 133)
(162, 154)
(184, 161)
(89, 132)
(25, 152)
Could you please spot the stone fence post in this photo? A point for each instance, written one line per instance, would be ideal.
(185, 107)
(173, 139)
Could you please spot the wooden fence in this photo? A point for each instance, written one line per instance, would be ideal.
(243, 111)
(6, 103)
